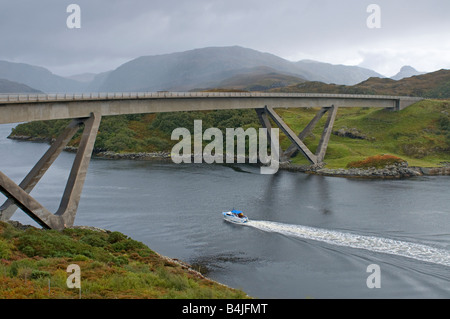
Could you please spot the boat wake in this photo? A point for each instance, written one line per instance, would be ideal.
(375, 244)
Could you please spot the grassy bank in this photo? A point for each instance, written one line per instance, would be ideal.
(33, 264)
(420, 134)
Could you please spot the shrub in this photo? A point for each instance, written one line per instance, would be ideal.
(444, 124)
(115, 237)
(128, 245)
(45, 244)
(22, 267)
(5, 249)
(377, 161)
(51, 243)
(94, 240)
(120, 260)
(36, 274)
(157, 142)
(80, 258)
(29, 251)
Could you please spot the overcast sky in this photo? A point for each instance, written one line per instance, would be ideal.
(413, 32)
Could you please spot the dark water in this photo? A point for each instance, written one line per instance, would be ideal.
(309, 236)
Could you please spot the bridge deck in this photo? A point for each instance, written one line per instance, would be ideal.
(15, 108)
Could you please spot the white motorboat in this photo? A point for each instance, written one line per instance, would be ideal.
(235, 216)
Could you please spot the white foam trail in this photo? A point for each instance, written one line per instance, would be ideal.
(376, 244)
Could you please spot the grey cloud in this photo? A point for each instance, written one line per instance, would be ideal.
(115, 31)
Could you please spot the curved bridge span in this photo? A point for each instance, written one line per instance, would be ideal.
(88, 109)
(35, 107)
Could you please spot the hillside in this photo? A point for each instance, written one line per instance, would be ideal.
(7, 86)
(33, 264)
(38, 78)
(259, 79)
(430, 85)
(419, 134)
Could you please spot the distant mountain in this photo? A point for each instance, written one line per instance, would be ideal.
(231, 67)
(406, 72)
(185, 71)
(429, 85)
(7, 86)
(38, 78)
(83, 77)
(209, 67)
(259, 79)
(337, 74)
(97, 82)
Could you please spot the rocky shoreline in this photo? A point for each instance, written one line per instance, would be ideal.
(164, 156)
(389, 172)
(402, 170)
(397, 171)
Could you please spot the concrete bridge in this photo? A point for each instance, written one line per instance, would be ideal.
(88, 109)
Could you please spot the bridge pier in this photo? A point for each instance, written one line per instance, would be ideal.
(265, 123)
(323, 144)
(18, 195)
(297, 140)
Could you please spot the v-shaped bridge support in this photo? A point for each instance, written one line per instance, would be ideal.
(297, 140)
(18, 195)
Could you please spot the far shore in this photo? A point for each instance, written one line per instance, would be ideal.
(388, 172)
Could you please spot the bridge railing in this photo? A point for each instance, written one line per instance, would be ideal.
(55, 97)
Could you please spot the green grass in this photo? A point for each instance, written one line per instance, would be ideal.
(112, 266)
(419, 134)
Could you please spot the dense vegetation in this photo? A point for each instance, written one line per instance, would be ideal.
(33, 264)
(420, 134)
(143, 132)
